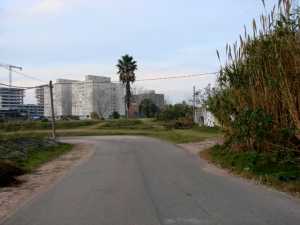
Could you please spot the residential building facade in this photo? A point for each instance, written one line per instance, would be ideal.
(10, 98)
(157, 99)
(96, 94)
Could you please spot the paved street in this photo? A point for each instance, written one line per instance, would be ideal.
(143, 181)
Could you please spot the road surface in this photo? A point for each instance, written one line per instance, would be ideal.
(143, 181)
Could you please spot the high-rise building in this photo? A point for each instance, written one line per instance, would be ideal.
(157, 99)
(11, 98)
(96, 94)
(40, 97)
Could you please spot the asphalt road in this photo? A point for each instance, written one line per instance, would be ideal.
(143, 181)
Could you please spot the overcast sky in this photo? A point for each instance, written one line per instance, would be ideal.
(71, 38)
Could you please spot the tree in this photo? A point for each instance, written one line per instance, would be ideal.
(95, 116)
(148, 109)
(174, 112)
(126, 70)
(115, 115)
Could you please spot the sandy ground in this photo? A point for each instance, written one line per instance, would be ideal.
(42, 179)
(197, 147)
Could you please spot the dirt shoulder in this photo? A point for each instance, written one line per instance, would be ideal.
(197, 147)
(41, 180)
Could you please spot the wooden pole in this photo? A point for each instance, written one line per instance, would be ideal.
(52, 110)
(194, 104)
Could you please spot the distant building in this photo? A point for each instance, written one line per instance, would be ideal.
(12, 105)
(62, 98)
(204, 117)
(96, 94)
(30, 111)
(157, 99)
(10, 98)
(40, 96)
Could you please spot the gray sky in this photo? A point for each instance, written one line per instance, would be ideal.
(71, 38)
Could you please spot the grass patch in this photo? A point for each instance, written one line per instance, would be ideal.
(19, 155)
(45, 125)
(36, 158)
(278, 169)
(128, 124)
(142, 127)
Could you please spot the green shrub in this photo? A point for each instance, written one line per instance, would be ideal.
(277, 165)
(19, 155)
(95, 116)
(148, 109)
(115, 115)
(174, 112)
(123, 123)
(184, 123)
(252, 127)
(43, 125)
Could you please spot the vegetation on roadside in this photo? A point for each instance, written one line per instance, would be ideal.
(277, 169)
(20, 155)
(257, 101)
(148, 109)
(142, 127)
(44, 125)
(178, 116)
(157, 129)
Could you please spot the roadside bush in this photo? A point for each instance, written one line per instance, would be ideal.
(276, 165)
(115, 115)
(252, 127)
(184, 123)
(95, 116)
(8, 173)
(257, 98)
(122, 123)
(43, 125)
(148, 109)
(174, 112)
(19, 155)
(180, 123)
(70, 117)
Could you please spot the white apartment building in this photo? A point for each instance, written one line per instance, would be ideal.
(81, 98)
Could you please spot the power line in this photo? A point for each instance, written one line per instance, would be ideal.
(147, 79)
(179, 76)
(26, 75)
(22, 87)
(116, 82)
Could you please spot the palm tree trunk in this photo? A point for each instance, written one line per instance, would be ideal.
(127, 98)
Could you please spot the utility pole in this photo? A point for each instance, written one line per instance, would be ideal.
(194, 104)
(52, 110)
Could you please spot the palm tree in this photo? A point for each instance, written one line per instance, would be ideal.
(126, 70)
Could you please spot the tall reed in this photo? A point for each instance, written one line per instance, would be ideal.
(261, 76)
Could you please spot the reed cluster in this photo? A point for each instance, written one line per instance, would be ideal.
(257, 99)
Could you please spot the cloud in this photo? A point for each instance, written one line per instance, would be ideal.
(47, 6)
(31, 9)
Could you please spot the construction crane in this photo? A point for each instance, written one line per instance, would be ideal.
(10, 69)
